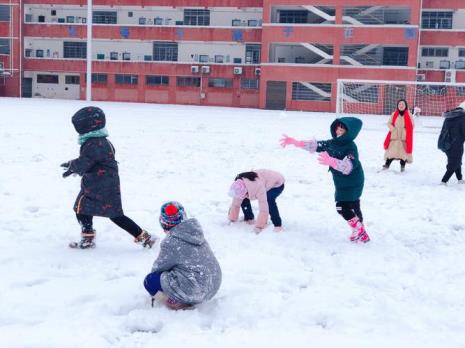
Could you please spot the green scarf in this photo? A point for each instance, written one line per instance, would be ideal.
(100, 133)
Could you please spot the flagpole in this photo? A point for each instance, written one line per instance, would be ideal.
(89, 52)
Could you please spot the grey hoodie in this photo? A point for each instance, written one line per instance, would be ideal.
(190, 272)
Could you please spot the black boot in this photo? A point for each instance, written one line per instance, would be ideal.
(402, 166)
(86, 242)
(387, 164)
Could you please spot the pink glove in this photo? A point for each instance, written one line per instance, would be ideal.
(291, 141)
(327, 160)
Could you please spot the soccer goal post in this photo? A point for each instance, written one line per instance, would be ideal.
(380, 97)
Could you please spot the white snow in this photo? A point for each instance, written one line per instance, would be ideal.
(305, 287)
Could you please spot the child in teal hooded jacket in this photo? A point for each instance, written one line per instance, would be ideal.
(341, 155)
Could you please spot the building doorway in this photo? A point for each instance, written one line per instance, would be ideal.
(27, 87)
(275, 95)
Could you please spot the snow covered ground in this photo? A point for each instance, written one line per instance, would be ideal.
(305, 287)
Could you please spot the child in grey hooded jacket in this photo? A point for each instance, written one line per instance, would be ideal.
(186, 271)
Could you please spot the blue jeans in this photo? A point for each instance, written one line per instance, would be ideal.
(271, 196)
(152, 283)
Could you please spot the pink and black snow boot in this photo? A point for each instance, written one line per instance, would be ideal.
(359, 233)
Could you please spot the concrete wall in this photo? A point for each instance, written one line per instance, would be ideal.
(187, 51)
(52, 90)
(219, 16)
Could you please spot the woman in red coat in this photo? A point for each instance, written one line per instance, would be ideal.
(399, 141)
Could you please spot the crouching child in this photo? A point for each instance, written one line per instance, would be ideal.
(186, 272)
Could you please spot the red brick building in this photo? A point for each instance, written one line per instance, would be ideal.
(285, 54)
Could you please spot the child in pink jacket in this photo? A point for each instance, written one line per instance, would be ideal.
(264, 185)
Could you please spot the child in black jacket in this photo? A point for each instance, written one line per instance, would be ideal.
(100, 193)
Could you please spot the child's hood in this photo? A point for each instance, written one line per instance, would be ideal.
(353, 125)
(189, 231)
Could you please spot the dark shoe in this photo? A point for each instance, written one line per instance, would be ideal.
(385, 167)
(402, 169)
(145, 239)
(86, 242)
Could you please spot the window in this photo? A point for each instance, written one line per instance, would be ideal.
(293, 16)
(461, 52)
(147, 57)
(100, 56)
(249, 83)
(196, 17)
(42, 78)
(187, 81)
(165, 51)
(113, 55)
(252, 22)
(28, 18)
(73, 49)
(460, 91)
(395, 56)
(237, 60)
(28, 52)
(72, 80)
(39, 53)
(252, 54)
(142, 20)
(436, 20)
(104, 17)
(130, 14)
(100, 78)
(460, 64)
(435, 52)
(125, 79)
(53, 12)
(41, 19)
(69, 19)
(158, 21)
(236, 23)
(221, 83)
(431, 90)
(203, 58)
(4, 46)
(444, 64)
(219, 58)
(311, 91)
(126, 56)
(4, 13)
(156, 80)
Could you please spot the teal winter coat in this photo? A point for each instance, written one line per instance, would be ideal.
(348, 187)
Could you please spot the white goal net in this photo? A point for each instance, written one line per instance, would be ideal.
(380, 97)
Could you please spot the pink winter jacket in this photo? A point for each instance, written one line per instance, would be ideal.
(267, 179)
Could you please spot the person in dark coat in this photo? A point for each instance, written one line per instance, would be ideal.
(341, 155)
(451, 141)
(186, 272)
(100, 193)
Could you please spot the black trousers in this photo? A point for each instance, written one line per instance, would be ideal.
(450, 172)
(389, 161)
(86, 222)
(271, 196)
(350, 209)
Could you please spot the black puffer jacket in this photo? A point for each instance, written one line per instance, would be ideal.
(100, 193)
(452, 136)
